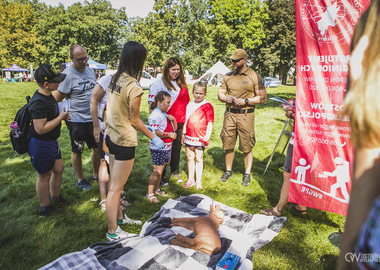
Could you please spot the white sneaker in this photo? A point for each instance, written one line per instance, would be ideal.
(118, 234)
(127, 220)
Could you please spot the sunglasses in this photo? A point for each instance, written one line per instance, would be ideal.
(236, 60)
(81, 60)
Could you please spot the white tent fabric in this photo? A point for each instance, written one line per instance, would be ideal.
(217, 69)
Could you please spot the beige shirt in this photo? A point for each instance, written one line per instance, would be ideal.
(118, 118)
(242, 85)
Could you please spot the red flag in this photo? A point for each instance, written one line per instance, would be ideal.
(323, 156)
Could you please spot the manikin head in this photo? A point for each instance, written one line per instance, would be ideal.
(216, 214)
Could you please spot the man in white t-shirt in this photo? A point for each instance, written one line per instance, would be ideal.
(77, 87)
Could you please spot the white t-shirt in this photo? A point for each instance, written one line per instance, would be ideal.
(158, 121)
(104, 82)
(158, 85)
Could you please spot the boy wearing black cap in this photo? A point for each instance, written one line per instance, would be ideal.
(44, 131)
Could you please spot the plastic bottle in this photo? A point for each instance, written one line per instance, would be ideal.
(15, 129)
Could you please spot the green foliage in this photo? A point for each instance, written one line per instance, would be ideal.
(29, 242)
(238, 24)
(19, 42)
(95, 25)
(277, 54)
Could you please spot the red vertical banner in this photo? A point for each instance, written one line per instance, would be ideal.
(323, 156)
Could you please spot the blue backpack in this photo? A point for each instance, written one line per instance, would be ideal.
(20, 129)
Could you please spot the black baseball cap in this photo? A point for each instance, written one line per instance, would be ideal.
(46, 73)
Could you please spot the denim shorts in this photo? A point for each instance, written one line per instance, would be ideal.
(43, 154)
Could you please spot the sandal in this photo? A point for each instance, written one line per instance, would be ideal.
(152, 198)
(124, 202)
(296, 208)
(103, 205)
(160, 192)
(189, 183)
(270, 212)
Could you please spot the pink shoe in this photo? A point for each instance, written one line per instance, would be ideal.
(199, 186)
(189, 183)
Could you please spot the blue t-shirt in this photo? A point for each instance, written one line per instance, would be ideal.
(78, 87)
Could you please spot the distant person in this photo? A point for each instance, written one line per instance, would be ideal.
(122, 123)
(44, 150)
(362, 106)
(196, 133)
(77, 87)
(173, 81)
(283, 201)
(241, 89)
(164, 126)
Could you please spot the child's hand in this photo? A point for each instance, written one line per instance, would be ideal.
(205, 141)
(170, 117)
(183, 139)
(64, 115)
(172, 135)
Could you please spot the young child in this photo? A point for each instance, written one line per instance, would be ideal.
(197, 132)
(164, 126)
(43, 150)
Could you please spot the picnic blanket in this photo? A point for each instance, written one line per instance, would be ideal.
(241, 234)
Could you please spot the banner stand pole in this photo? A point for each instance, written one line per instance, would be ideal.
(283, 131)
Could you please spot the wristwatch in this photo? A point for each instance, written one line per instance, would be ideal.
(246, 101)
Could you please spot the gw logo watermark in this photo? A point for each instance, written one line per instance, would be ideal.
(362, 257)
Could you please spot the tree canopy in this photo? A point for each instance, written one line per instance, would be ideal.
(199, 32)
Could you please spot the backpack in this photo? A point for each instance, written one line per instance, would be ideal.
(20, 129)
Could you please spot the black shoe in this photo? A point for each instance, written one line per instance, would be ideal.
(164, 182)
(59, 199)
(49, 211)
(246, 179)
(226, 176)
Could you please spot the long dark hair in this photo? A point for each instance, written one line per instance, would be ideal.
(171, 62)
(131, 61)
(159, 97)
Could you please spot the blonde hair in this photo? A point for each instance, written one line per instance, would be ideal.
(362, 101)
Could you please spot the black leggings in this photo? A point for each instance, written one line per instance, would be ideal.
(176, 150)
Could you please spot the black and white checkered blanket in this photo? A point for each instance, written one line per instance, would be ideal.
(241, 234)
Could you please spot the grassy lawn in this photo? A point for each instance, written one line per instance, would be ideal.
(29, 242)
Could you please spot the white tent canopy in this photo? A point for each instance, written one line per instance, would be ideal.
(217, 69)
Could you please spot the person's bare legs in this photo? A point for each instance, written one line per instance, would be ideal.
(42, 188)
(248, 159)
(190, 155)
(95, 160)
(284, 193)
(120, 171)
(76, 162)
(154, 179)
(103, 179)
(56, 178)
(230, 155)
(198, 166)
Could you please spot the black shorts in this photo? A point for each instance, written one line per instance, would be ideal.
(81, 133)
(202, 148)
(288, 159)
(120, 152)
(100, 145)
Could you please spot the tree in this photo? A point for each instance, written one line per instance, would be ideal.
(96, 25)
(277, 54)
(237, 24)
(19, 42)
(197, 48)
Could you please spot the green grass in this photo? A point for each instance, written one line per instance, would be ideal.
(29, 242)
